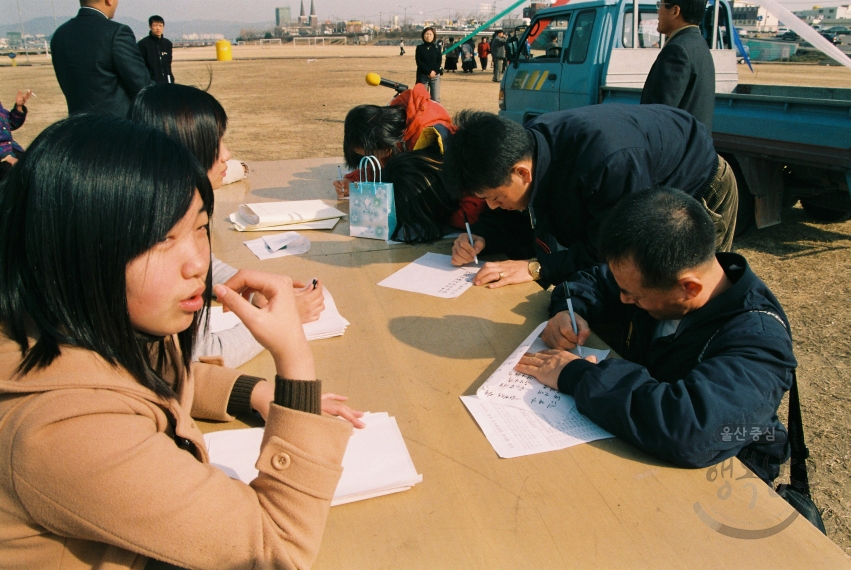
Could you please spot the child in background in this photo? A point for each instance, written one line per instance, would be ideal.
(10, 151)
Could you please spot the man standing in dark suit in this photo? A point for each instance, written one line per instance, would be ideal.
(683, 74)
(97, 62)
(156, 51)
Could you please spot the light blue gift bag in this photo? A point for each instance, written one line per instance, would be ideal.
(372, 210)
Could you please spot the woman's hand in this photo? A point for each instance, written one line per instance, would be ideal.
(333, 404)
(310, 300)
(276, 326)
(341, 187)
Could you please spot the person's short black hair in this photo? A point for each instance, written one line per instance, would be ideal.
(155, 18)
(373, 128)
(663, 231)
(691, 10)
(185, 113)
(422, 202)
(429, 29)
(483, 151)
(91, 194)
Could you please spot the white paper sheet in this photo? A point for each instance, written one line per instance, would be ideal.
(376, 461)
(260, 247)
(521, 416)
(514, 432)
(317, 225)
(330, 323)
(433, 274)
(511, 388)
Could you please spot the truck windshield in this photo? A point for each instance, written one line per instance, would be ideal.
(648, 19)
(545, 38)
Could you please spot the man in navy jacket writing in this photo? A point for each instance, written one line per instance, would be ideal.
(706, 345)
(551, 182)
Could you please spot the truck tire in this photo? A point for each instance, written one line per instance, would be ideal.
(745, 213)
(823, 214)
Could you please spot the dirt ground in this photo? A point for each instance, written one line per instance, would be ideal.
(287, 102)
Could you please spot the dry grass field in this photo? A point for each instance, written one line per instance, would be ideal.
(287, 103)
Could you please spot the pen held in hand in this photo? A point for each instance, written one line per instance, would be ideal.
(572, 318)
(470, 236)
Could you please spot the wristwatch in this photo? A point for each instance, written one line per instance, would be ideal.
(534, 269)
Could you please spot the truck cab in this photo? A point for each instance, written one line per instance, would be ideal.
(572, 51)
(784, 143)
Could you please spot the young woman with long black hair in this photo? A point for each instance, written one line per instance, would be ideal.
(104, 270)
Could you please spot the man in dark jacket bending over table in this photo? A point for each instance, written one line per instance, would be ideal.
(707, 352)
(564, 171)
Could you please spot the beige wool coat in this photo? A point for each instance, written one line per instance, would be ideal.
(91, 475)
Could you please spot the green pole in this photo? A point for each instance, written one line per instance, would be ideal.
(483, 26)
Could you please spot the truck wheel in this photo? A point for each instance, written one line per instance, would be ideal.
(823, 214)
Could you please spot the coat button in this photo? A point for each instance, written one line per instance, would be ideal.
(281, 461)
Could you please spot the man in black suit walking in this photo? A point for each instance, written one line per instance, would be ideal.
(156, 50)
(683, 74)
(97, 62)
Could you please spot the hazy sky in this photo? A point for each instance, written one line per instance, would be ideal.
(264, 10)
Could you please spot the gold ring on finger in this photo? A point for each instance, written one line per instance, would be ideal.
(501, 275)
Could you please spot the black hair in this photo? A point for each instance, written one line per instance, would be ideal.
(155, 18)
(429, 29)
(483, 151)
(691, 10)
(185, 113)
(663, 231)
(373, 129)
(422, 202)
(91, 194)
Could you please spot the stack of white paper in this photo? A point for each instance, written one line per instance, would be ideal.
(521, 416)
(376, 461)
(433, 274)
(295, 215)
(330, 323)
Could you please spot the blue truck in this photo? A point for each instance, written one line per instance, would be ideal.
(784, 143)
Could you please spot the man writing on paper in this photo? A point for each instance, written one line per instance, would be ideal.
(550, 183)
(706, 346)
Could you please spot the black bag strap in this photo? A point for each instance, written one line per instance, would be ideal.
(800, 452)
(799, 479)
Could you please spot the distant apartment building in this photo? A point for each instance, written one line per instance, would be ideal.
(354, 27)
(754, 18)
(283, 16)
(14, 39)
(532, 9)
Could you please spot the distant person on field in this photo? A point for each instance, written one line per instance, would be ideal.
(484, 49)
(551, 182)
(707, 352)
(451, 63)
(156, 51)
(498, 52)
(683, 74)
(97, 61)
(428, 58)
(468, 56)
(10, 151)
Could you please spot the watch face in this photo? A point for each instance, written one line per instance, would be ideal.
(535, 270)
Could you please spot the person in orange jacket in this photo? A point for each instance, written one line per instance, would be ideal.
(411, 121)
